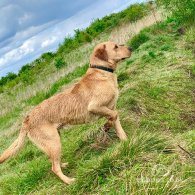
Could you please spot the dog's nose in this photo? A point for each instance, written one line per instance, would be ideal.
(130, 49)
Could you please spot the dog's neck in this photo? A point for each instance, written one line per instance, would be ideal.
(110, 64)
(102, 68)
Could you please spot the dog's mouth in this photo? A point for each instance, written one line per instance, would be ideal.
(125, 58)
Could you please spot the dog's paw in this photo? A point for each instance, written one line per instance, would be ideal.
(70, 181)
(64, 165)
(123, 136)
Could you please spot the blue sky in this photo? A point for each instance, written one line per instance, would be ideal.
(32, 27)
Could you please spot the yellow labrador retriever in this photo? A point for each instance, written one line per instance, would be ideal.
(94, 96)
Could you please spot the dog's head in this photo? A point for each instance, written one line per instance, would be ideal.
(109, 54)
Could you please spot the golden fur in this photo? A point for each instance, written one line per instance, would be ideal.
(93, 97)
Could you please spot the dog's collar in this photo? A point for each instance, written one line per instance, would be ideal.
(102, 68)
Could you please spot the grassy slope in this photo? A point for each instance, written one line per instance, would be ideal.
(21, 98)
(156, 106)
(14, 97)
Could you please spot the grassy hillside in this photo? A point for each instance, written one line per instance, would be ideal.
(41, 74)
(48, 62)
(157, 109)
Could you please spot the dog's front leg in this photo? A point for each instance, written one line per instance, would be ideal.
(117, 125)
(119, 130)
(112, 116)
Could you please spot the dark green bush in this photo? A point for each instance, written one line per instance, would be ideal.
(82, 36)
(152, 54)
(47, 56)
(138, 40)
(9, 77)
(25, 68)
(129, 61)
(59, 63)
(136, 12)
(123, 76)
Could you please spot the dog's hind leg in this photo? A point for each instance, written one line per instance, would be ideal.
(48, 139)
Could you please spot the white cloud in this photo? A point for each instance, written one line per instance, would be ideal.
(27, 47)
(48, 42)
(18, 53)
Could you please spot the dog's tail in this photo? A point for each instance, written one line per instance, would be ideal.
(15, 147)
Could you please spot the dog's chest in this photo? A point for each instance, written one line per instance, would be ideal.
(115, 86)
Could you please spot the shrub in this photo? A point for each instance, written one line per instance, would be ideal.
(152, 54)
(82, 36)
(9, 77)
(47, 56)
(138, 40)
(26, 78)
(25, 68)
(122, 76)
(136, 12)
(59, 63)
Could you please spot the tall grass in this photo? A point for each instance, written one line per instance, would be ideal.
(183, 10)
(156, 106)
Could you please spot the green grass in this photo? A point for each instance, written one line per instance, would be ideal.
(79, 71)
(7, 119)
(156, 106)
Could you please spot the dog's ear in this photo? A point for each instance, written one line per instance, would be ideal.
(101, 53)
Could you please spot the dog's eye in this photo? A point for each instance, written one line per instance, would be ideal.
(116, 46)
